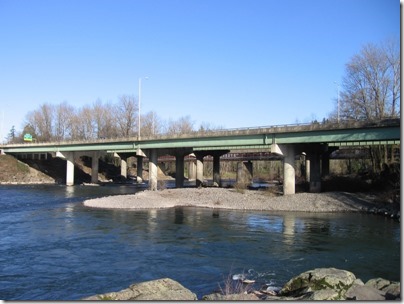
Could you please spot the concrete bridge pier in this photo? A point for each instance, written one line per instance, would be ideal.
(216, 166)
(94, 166)
(307, 169)
(69, 168)
(199, 168)
(69, 157)
(325, 160)
(124, 167)
(152, 169)
(139, 165)
(244, 173)
(179, 165)
(288, 169)
(192, 168)
(315, 172)
(179, 171)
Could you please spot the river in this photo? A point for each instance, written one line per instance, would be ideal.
(54, 248)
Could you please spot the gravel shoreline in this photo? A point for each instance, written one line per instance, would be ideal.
(223, 198)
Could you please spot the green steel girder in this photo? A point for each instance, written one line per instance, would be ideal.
(348, 136)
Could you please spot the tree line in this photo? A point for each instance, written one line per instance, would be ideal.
(63, 122)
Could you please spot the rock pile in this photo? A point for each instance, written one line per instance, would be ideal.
(316, 284)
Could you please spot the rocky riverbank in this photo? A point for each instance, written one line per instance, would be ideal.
(316, 284)
(222, 198)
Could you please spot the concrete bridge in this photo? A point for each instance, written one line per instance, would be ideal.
(315, 140)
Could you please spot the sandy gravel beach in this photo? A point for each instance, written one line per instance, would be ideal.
(232, 199)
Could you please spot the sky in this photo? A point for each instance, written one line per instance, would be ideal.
(224, 63)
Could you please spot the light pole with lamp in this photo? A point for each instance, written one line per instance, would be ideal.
(138, 121)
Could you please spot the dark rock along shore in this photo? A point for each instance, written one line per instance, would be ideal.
(316, 284)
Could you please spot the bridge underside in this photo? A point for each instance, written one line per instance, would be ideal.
(316, 158)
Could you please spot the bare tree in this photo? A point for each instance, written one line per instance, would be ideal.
(63, 118)
(151, 124)
(371, 85)
(127, 111)
(371, 90)
(42, 121)
(183, 125)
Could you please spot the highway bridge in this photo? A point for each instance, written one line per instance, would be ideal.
(316, 140)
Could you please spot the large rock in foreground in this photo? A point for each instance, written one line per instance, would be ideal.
(331, 279)
(162, 289)
(338, 284)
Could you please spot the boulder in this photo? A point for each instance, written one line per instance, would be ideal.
(230, 297)
(392, 289)
(335, 281)
(364, 293)
(156, 290)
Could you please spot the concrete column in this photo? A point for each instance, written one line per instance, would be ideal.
(69, 168)
(315, 172)
(244, 173)
(199, 170)
(139, 168)
(191, 170)
(307, 169)
(153, 170)
(325, 163)
(216, 170)
(179, 171)
(124, 167)
(94, 167)
(289, 170)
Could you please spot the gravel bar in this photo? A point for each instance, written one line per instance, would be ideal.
(224, 198)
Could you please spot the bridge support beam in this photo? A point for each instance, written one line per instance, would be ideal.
(179, 171)
(124, 167)
(192, 169)
(216, 166)
(94, 166)
(307, 169)
(288, 169)
(152, 170)
(69, 168)
(315, 172)
(244, 173)
(69, 157)
(199, 168)
(139, 164)
(139, 169)
(325, 164)
(179, 165)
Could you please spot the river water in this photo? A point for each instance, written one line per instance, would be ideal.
(54, 248)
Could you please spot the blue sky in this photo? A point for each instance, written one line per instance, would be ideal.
(230, 63)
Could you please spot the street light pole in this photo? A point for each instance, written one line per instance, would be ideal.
(138, 119)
